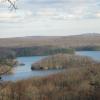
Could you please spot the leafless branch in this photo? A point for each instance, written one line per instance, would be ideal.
(12, 5)
(2, 84)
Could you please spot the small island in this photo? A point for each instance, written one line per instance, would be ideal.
(62, 61)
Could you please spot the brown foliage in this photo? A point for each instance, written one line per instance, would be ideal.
(63, 41)
(62, 61)
(75, 83)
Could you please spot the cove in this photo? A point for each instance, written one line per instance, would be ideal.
(25, 72)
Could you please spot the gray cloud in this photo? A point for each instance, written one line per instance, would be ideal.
(64, 9)
(50, 17)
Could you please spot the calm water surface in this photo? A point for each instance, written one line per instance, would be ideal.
(93, 54)
(24, 72)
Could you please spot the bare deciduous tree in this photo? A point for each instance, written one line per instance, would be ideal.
(2, 84)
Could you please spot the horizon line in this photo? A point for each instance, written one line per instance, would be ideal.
(92, 33)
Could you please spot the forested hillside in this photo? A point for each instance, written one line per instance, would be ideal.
(45, 45)
(86, 40)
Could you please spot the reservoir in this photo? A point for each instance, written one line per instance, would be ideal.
(93, 54)
(25, 72)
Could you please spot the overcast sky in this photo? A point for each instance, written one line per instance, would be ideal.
(50, 17)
